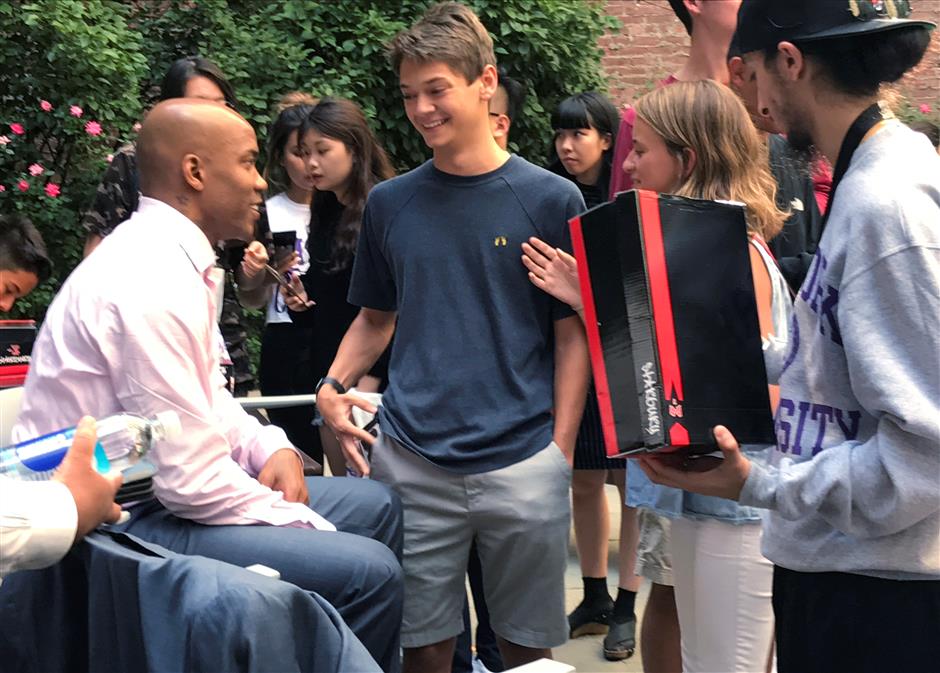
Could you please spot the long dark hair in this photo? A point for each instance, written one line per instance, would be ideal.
(290, 119)
(581, 111)
(342, 120)
(185, 69)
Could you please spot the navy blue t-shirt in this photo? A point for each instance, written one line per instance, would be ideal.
(471, 377)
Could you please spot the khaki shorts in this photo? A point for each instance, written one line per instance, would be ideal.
(653, 555)
(520, 516)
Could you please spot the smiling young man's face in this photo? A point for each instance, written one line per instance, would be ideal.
(441, 104)
(15, 284)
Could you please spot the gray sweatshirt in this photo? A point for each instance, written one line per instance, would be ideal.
(854, 484)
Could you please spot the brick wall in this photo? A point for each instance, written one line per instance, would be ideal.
(652, 44)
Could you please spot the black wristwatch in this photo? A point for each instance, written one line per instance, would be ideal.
(330, 381)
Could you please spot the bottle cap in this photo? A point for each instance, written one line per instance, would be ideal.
(170, 425)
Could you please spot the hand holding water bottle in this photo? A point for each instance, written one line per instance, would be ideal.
(93, 492)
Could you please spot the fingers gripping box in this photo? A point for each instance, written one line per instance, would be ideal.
(672, 323)
(16, 346)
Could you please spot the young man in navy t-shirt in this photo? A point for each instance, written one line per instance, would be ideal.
(488, 374)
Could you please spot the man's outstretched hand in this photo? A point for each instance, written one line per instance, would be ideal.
(336, 411)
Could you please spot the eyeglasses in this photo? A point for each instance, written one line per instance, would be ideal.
(866, 10)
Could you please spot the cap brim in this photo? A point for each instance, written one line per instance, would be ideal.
(865, 27)
(846, 30)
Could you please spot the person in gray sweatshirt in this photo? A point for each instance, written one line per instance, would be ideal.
(853, 490)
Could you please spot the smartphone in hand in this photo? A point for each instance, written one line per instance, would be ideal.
(285, 243)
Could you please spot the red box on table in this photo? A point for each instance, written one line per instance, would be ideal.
(16, 347)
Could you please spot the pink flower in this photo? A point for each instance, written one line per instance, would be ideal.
(4, 140)
(75, 111)
(109, 158)
(93, 128)
(136, 127)
(52, 190)
(22, 185)
(17, 129)
(45, 105)
(2, 188)
(925, 109)
(35, 169)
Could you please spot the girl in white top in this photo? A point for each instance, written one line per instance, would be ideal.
(285, 347)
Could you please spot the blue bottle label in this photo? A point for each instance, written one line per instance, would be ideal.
(47, 452)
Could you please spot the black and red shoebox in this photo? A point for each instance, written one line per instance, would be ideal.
(672, 323)
(16, 346)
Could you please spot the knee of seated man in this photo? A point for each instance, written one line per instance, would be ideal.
(381, 493)
(377, 566)
(378, 503)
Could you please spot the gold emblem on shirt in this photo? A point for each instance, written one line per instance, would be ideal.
(500, 242)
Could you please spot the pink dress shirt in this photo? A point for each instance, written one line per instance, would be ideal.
(133, 329)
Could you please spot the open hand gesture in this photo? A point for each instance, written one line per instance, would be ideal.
(553, 270)
(336, 411)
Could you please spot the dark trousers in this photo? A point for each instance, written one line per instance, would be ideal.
(833, 622)
(285, 369)
(357, 569)
(487, 649)
(118, 603)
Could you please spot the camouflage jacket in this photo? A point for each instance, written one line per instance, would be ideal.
(117, 195)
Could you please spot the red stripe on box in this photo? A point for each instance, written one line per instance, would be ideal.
(13, 375)
(655, 253)
(594, 340)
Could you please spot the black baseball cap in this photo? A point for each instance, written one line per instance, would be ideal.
(766, 23)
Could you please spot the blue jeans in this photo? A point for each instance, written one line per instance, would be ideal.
(356, 569)
(118, 603)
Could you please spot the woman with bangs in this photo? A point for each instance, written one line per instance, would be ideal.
(285, 346)
(585, 128)
(695, 139)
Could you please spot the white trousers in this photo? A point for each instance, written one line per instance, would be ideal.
(723, 595)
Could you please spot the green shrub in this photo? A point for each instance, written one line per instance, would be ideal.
(338, 48)
(70, 73)
(909, 113)
(108, 58)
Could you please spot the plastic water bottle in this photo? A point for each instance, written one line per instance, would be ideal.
(123, 439)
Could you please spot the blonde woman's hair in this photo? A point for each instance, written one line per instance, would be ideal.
(731, 160)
